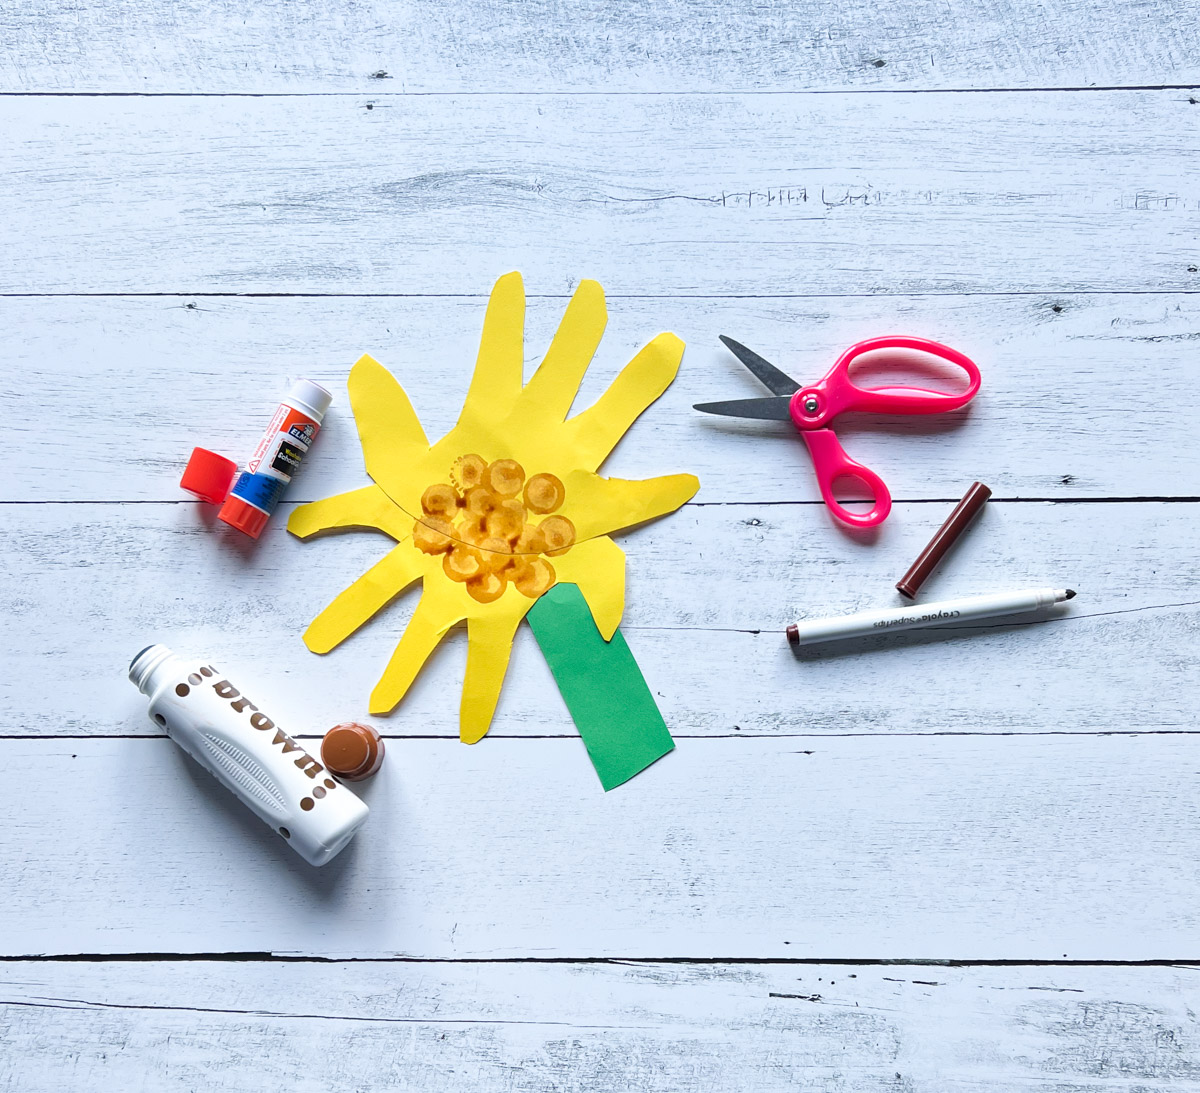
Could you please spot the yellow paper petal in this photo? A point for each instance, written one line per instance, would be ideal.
(595, 432)
(382, 411)
(388, 429)
(489, 645)
(500, 366)
(369, 507)
(603, 505)
(552, 389)
(429, 624)
(372, 592)
(598, 568)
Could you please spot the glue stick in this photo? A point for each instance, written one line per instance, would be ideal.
(248, 753)
(259, 487)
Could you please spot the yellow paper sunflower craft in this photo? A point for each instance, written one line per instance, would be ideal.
(505, 507)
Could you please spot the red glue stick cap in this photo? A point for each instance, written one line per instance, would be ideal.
(246, 518)
(208, 475)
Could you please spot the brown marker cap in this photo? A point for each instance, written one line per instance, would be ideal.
(944, 538)
(352, 751)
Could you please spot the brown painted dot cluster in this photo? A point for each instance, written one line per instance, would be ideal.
(307, 803)
(480, 522)
(195, 679)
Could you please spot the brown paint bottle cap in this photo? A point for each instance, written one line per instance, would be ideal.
(944, 538)
(352, 751)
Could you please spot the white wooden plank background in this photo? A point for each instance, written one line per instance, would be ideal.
(713, 649)
(908, 847)
(363, 171)
(1073, 403)
(517, 46)
(657, 194)
(604, 1027)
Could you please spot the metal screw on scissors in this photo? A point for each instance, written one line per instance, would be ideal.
(812, 410)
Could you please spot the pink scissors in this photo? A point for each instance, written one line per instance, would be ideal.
(812, 410)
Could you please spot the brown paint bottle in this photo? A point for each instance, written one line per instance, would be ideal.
(246, 751)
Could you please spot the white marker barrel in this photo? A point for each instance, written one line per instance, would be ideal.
(930, 614)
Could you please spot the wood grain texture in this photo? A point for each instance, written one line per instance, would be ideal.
(1021, 793)
(144, 46)
(730, 194)
(1075, 397)
(943, 847)
(1121, 656)
(604, 1028)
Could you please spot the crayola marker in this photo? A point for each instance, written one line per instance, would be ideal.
(259, 487)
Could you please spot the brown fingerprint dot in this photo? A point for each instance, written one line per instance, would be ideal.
(559, 533)
(306, 803)
(533, 577)
(506, 477)
(183, 690)
(285, 833)
(469, 471)
(462, 563)
(319, 792)
(330, 783)
(506, 521)
(496, 553)
(481, 501)
(433, 535)
(530, 541)
(473, 527)
(544, 493)
(487, 587)
(195, 679)
(206, 671)
(440, 500)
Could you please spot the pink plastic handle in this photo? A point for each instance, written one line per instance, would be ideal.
(831, 463)
(815, 406)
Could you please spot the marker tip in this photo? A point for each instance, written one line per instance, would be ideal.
(1070, 593)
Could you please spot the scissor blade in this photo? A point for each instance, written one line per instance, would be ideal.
(778, 383)
(768, 409)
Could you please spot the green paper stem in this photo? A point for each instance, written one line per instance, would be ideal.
(602, 686)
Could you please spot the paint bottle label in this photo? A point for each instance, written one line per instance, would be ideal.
(249, 753)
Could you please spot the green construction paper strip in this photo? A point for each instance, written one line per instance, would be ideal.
(602, 686)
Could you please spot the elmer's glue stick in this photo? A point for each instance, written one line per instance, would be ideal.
(293, 428)
(248, 753)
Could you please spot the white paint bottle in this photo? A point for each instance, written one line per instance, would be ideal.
(248, 753)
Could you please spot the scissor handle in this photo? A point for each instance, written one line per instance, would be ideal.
(831, 463)
(815, 406)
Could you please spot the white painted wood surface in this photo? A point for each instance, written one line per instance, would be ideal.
(659, 194)
(142, 46)
(1043, 847)
(1084, 396)
(606, 1028)
(1017, 793)
(712, 647)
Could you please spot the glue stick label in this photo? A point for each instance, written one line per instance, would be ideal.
(276, 459)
